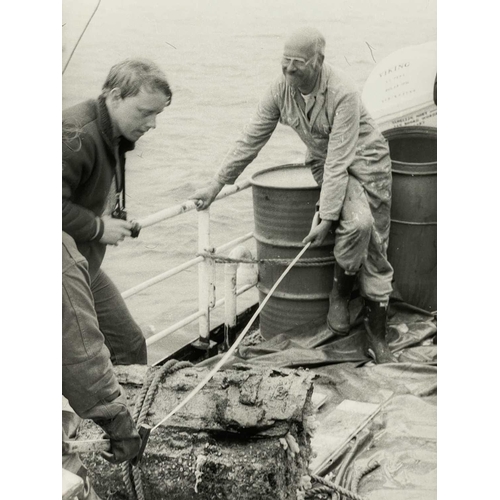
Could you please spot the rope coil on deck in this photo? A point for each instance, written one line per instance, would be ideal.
(329, 488)
(310, 262)
(359, 475)
(154, 377)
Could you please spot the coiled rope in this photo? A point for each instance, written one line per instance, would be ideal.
(329, 488)
(359, 475)
(310, 262)
(131, 474)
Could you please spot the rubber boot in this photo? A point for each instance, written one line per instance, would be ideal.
(375, 324)
(338, 320)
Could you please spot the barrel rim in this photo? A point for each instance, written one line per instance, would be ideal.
(413, 223)
(410, 131)
(423, 164)
(254, 182)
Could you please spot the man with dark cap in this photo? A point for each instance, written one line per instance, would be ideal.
(96, 135)
(349, 159)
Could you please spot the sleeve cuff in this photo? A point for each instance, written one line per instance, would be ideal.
(100, 229)
(223, 180)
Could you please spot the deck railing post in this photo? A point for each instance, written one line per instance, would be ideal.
(231, 293)
(206, 271)
(206, 276)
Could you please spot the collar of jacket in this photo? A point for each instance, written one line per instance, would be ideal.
(319, 88)
(318, 93)
(106, 127)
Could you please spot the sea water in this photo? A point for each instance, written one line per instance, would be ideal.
(219, 57)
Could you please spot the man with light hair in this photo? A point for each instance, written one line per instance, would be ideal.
(97, 134)
(98, 329)
(349, 159)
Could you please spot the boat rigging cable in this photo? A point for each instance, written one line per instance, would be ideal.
(81, 36)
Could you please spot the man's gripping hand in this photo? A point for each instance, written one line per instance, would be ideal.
(124, 437)
(115, 230)
(318, 233)
(205, 196)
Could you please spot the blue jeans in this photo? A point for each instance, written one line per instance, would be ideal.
(122, 334)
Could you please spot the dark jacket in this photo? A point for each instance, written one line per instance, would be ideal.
(90, 156)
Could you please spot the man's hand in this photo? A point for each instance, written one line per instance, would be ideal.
(115, 230)
(122, 432)
(318, 233)
(205, 196)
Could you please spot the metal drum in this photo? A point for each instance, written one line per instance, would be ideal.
(284, 200)
(413, 238)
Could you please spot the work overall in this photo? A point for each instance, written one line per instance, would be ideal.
(349, 159)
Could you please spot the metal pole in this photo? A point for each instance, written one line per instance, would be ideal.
(231, 293)
(230, 281)
(206, 275)
(188, 319)
(164, 333)
(160, 277)
(189, 205)
(176, 270)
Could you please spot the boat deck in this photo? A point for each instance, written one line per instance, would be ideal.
(389, 410)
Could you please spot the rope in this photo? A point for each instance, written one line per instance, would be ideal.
(328, 487)
(236, 343)
(131, 474)
(80, 37)
(222, 259)
(314, 492)
(362, 473)
(146, 396)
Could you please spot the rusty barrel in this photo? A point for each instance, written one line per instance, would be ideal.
(284, 200)
(413, 238)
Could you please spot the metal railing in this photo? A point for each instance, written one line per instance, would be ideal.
(206, 269)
